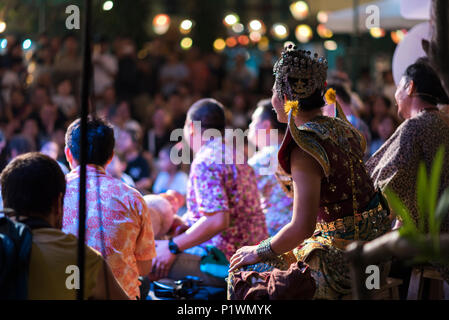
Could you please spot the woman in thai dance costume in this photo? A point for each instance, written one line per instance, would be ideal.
(335, 201)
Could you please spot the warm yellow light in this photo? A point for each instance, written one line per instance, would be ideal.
(299, 10)
(377, 32)
(161, 23)
(323, 31)
(219, 44)
(2, 26)
(264, 44)
(186, 43)
(303, 33)
(398, 35)
(330, 45)
(280, 31)
(231, 19)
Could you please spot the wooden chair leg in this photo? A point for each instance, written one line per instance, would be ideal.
(415, 286)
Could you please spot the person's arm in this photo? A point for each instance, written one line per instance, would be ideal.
(107, 287)
(202, 230)
(307, 175)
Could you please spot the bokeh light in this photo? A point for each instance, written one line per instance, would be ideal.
(322, 16)
(279, 31)
(108, 5)
(299, 10)
(303, 33)
(186, 43)
(231, 42)
(2, 26)
(231, 19)
(26, 44)
(161, 23)
(377, 32)
(238, 28)
(185, 26)
(330, 45)
(398, 35)
(264, 44)
(255, 36)
(323, 31)
(219, 44)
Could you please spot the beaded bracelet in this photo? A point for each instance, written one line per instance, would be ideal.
(264, 250)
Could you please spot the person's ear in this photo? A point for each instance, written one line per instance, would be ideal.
(68, 155)
(411, 87)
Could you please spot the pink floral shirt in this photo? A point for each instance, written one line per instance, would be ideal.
(214, 187)
(117, 223)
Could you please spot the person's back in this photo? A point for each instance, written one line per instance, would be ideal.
(33, 187)
(118, 222)
(53, 254)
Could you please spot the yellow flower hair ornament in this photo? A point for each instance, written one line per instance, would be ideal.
(291, 106)
(330, 96)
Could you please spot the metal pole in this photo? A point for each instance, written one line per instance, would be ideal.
(86, 76)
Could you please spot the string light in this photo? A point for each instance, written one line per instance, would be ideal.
(186, 43)
(303, 33)
(299, 10)
(161, 23)
(219, 44)
(231, 19)
(280, 31)
(108, 5)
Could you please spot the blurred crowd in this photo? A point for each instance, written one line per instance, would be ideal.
(145, 93)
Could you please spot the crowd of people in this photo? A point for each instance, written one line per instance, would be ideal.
(337, 150)
(145, 93)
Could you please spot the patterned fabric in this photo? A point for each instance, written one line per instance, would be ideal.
(276, 205)
(396, 163)
(346, 190)
(217, 185)
(117, 223)
(337, 146)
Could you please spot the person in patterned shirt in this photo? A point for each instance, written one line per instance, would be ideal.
(276, 205)
(118, 222)
(223, 205)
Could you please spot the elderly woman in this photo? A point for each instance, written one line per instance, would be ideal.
(335, 201)
(395, 164)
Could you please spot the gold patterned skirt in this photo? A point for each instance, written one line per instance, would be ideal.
(323, 253)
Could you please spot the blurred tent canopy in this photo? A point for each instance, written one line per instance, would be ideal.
(394, 14)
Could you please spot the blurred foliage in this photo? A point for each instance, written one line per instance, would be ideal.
(432, 211)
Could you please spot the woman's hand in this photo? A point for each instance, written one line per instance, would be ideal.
(243, 257)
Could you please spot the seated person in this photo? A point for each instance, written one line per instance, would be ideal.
(40, 205)
(222, 201)
(118, 223)
(170, 176)
(137, 166)
(276, 205)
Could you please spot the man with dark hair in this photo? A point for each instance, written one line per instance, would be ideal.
(266, 133)
(223, 205)
(33, 185)
(118, 222)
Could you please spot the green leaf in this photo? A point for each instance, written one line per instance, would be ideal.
(442, 208)
(408, 227)
(421, 190)
(434, 185)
